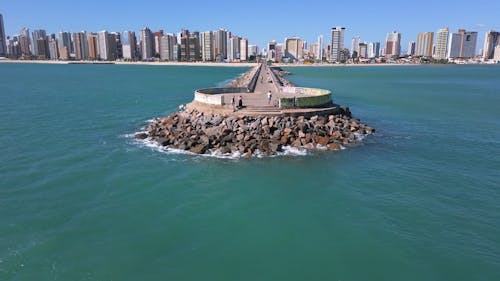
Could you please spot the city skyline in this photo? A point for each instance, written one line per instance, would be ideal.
(260, 26)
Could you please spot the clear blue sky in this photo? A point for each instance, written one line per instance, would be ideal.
(257, 20)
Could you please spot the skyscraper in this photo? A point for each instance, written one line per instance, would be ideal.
(167, 45)
(189, 46)
(158, 34)
(441, 43)
(25, 42)
(337, 44)
(3, 45)
(103, 44)
(81, 45)
(220, 45)
(129, 43)
(393, 44)
(363, 50)
(320, 48)
(36, 35)
(244, 49)
(147, 44)
(355, 46)
(271, 50)
(93, 41)
(462, 44)
(424, 44)
(293, 49)
(373, 49)
(207, 46)
(53, 49)
(491, 45)
(233, 50)
(65, 45)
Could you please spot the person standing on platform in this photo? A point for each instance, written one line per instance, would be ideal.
(269, 97)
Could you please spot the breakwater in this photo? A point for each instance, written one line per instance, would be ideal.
(304, 118)
(201, 133)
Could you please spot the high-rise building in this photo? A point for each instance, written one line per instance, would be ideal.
(253, 50)
(81, 46)
(3, 45)
(119, 45)
(441, 45)
(167, 45)
(294, 49)
(412, 48)
(320, 48)
(207, 46)
(425, 42)
(271, 50)
(36, 35)
(158, 34)
(373, 49)
(355, 46)
(93, 41)
(147, 44)
(220, 44)
(363, 50)
(491, 45)
(190, 46)
(42, 48)
(25, 42)
(53, 49)
(393, 44)
(337, 44)
(462, 44)
(244, 49)
(65, 45)
(113, 46)
(233, 49)
(103, 44)
(129, 43)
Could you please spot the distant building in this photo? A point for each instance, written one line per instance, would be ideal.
(253, 50)
(36, 35)
(233, 49)
(3, 44)
(425, 41)
(103, 45)
(293, 49)
(93, 42)
(441, 46)
(411, 48)
(244, 49)
(189, 46)
(168, 43)
(393, 44)
(320, 48)
(220, 44)
(271, 51)
(363, 50)
(462, 44)
(373, 50)
(491, 45)
(129, 43)
(113, 40)
(147, 44)
(25, 42)
(42, 48)
(158, 34)
(53, 49)
(337, 44)
(65, 45)
(207, 46)
(13, 47)
(81, 46)
(355, 46)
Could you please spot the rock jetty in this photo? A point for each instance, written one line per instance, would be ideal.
(202, 133)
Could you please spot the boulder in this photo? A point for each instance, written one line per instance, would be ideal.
(141, 136)
(199, 149)
(333, 146)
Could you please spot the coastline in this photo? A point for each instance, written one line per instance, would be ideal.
(217, 64)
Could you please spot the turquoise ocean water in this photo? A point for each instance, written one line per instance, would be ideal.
(81, 200)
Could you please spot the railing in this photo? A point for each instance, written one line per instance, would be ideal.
(255, 78)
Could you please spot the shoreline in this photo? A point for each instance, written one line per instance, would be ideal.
(219, 64)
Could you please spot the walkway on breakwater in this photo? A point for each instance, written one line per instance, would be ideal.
(286, 99)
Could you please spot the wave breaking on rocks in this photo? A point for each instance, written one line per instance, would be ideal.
(246, 136)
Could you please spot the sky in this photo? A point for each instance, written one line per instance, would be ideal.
(259, 21)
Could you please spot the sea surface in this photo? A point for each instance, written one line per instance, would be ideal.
(80, 199)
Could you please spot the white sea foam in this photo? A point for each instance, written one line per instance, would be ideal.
(292, 151)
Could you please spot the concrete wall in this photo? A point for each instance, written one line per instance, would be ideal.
(305, 97)
(213, 96)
